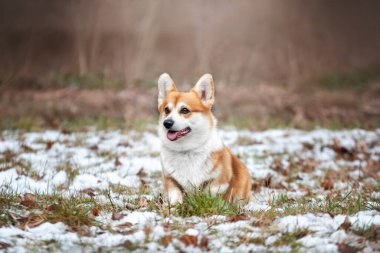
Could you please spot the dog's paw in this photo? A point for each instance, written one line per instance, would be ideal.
(174, 196)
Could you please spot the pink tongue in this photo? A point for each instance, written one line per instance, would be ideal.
(172, 135)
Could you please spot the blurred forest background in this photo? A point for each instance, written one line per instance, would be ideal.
(72, 63)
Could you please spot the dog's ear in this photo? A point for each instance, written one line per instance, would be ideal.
(205, 90)
(165, 84)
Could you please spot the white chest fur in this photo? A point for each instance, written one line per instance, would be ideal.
(191, 168)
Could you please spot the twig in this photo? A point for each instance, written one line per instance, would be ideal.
(109, 197)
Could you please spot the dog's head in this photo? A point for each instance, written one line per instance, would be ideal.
(186, 120)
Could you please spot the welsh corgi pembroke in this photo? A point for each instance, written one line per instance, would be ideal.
(193, 156)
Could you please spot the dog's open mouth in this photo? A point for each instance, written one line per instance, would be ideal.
(174, 135)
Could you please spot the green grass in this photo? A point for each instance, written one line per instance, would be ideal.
(284, 122)
(140, 125)
(28, 123)
(77, 123)
(7, 201)
(357, 81)
(202, 203)
(90, 81)
(68, 124)
(74, 210)
(348, 204)
(145, 83)
(250, 123)
(100, 122)
(120, 189)
(290, 238)
(71, 171)
(103, 122)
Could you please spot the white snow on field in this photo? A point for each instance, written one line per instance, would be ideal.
(290, 163)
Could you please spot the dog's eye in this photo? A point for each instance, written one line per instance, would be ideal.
(184, 110)
(167, 110)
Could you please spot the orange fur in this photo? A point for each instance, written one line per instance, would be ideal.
(190, 99)
(233, 172)
(227, 172)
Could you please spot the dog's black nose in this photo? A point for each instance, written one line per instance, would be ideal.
(168, 123)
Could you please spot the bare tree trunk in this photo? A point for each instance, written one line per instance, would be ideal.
(96, 31)
(77, 22)
(201, 24)
(145, 43)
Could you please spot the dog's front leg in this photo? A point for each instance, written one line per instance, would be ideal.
(172, 191)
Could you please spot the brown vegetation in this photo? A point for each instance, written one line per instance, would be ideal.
(244, 41)
(257, 107)
(275, 63)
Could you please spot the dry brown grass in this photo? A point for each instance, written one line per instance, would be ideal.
(257, 107)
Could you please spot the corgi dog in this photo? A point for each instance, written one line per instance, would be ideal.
(193, 156)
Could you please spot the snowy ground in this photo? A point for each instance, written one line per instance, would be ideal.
(315, 191)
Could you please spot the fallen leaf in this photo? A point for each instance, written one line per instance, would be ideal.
(141, 173)
(27, 148)
(346, 224)
(36, 177)
(204, 243)
(117, 216)
(263, 222)
(264, 182)
(89, 192)
(130, 206)
(147, 230)
(238, 217)
(117, 162)
(125, 225)
(327, 184)
(4, 245)
(344, 248)
(309, 165)
(165, 240)
(124, 144)
(65, 131)
(188, 240)
(277, 166)
(190, 225)
(129, 245)
(167, 226)
(308, 145)
(279, 185)
(342, 151)
(82, 230)
(49, 144)
(95, 211)
(94, 147)
(29, 200)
